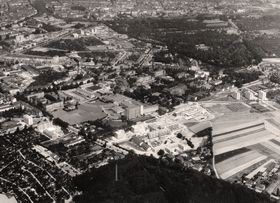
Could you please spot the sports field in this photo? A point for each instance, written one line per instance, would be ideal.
(85, 112)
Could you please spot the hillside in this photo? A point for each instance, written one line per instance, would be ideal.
(145, 179)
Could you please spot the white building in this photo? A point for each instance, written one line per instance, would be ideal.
(236, 95)
(28, 120)
(249, 95)
(262, 95)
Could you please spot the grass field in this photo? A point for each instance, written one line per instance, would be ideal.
(85, 112)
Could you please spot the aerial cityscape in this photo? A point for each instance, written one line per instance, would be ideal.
(139, 101)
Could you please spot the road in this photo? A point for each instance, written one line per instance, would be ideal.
(20, 189)
(35, 178)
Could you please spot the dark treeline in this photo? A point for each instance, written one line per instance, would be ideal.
(146, 179)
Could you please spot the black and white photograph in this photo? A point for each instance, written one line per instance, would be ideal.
(139, 101)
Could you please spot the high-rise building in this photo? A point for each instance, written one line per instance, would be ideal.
(132, 111)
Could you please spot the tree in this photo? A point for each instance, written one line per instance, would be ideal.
(61, 123)
(179, 135)
(161, 152)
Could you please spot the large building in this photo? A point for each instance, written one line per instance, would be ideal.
(132, 111)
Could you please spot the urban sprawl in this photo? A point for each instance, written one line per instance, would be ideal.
(81, 87)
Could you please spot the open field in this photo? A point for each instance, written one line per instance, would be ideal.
(237, 107)
(227, 107)
(85, 112)
(230, 121)
(238, 163)
(238, 133)
(227, 155)
(276, 141)
(244, 141)
(272, 146)
(266, 151)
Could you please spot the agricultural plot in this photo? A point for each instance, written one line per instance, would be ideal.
(238, 133)
(266, 151)
(234, 165)
(272, 146)
(235, 121)
(276, 141)
(241, 142)
(227, 155)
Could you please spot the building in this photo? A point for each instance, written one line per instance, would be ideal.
(236, 95)
(28, 120)
(217, 82)
(202, 47)
(132, 111)
(6, 107)
(140, 143)
(249, 95)
(54, 106)
(146, 110)
(262, 95)
(38, 95)
(159, 73)
(144, 80)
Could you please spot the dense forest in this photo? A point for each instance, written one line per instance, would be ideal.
(181, 35)
(146, 179)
